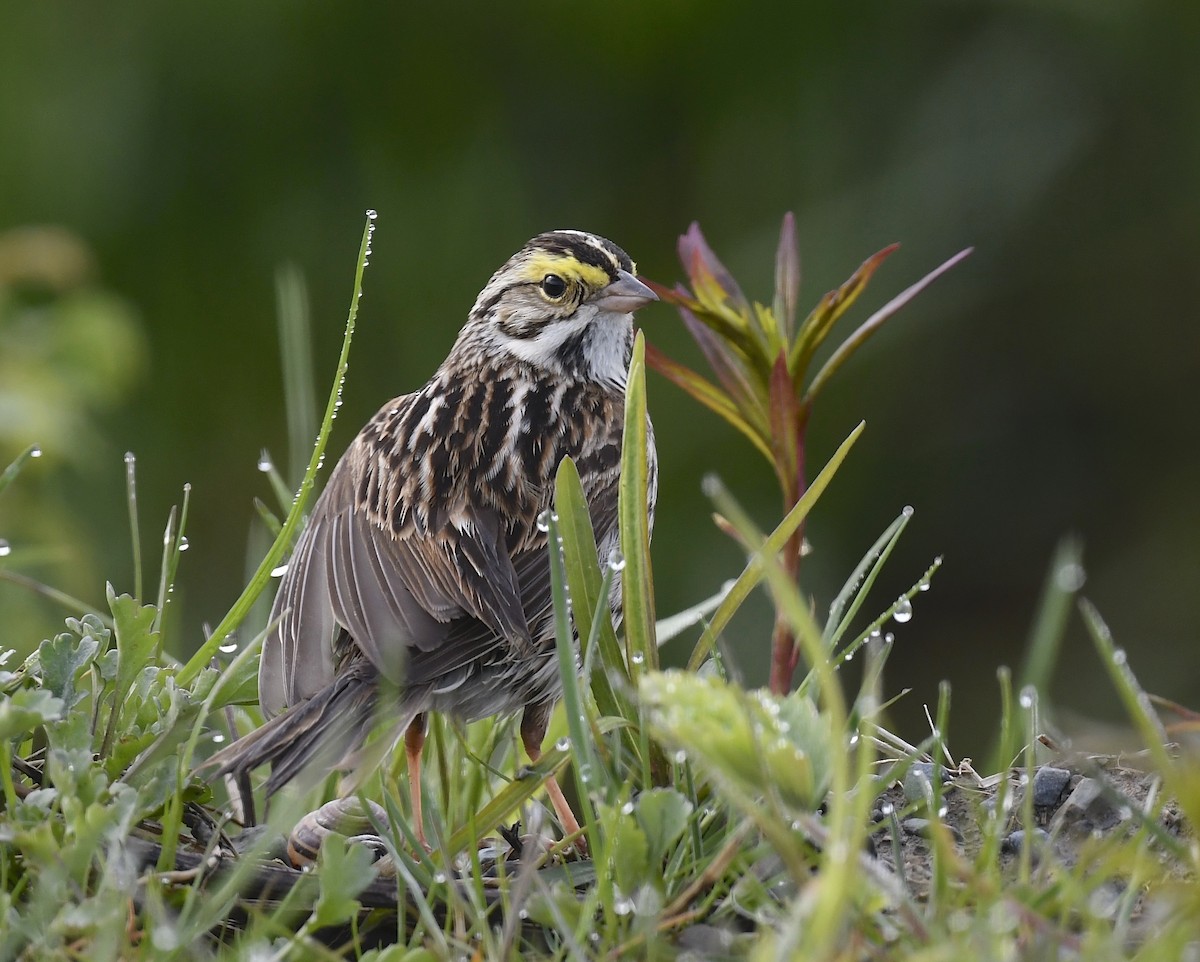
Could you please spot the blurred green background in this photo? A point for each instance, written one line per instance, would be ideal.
(159, 163)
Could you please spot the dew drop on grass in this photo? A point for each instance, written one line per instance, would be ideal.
(5, 548)
(279, 572)
(35, 451)
(616, 560)
(563, 744)
(543, 521)
(183, 544)
(1028, 697)
(229, 647)
(1070, 577)
(627, 808)
(889, 638)
(637, 658)
(1119, 657)
(903, 612)
(218, 738)
(264, 462)
(908, 511)
(623, 906)
(439, 877)
(130, 457)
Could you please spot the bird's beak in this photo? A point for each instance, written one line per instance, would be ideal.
(624, 295)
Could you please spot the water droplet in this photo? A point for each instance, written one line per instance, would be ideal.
(1028, 697)
(218, 738)
(264, 462)
(1119, 656)
(279, 572)
(889, 638)
(887, 809)
(627, 808)
(563, 744)
(130, 457)
(637, 658)
(679, 757)
(372, 214)
(543, 521)
(923, 586)
(623, 906)
(908, 511)
(616, 560)
(35, 451)
(439, 877)
(523, 914)
(710, 486)
(849, 655)
(229, 647)
(854, 739)
(1070, 577)
(5, 548)
(183, 544)
(903, 612)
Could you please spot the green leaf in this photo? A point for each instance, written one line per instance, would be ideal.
(611, 684)
(630, 854)
(22, 459)
(753, 573)
(344, 870)
(662, 814)
(62, 658)
(751, 742)
(26, 709)
(637, 580)
(136, 644)
(291, 525)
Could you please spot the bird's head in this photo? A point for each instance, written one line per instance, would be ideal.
(563, 303)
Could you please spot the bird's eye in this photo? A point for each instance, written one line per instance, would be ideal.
(553, 286)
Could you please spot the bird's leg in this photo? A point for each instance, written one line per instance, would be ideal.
(533, 730)
(414, 742)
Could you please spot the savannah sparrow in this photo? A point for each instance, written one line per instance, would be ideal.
(421, 582)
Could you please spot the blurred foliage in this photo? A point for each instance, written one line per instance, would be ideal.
(71, 352)
(1047, 387)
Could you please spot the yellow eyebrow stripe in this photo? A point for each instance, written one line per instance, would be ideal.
(567, 267)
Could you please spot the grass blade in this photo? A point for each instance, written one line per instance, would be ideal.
(291, 525)
(753, 572)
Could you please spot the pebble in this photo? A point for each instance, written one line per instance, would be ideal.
(918, 781)
(1050, 786)
(1015, 841)
(1086, 809)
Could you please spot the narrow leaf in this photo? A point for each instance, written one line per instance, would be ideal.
(833, 305)
(706, 393)
(711, 280)
(585, 580)
(291, 524)
(874, 322)
(787, 275)
(634, 496)
(22, 459)
(753, 572)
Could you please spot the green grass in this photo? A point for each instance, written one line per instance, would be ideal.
(733, 823)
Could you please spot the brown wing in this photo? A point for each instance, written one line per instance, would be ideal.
(391, 593)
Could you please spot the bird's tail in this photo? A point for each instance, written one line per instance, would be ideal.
(312, 738)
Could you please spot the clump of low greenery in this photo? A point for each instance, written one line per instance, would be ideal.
(720, 823)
